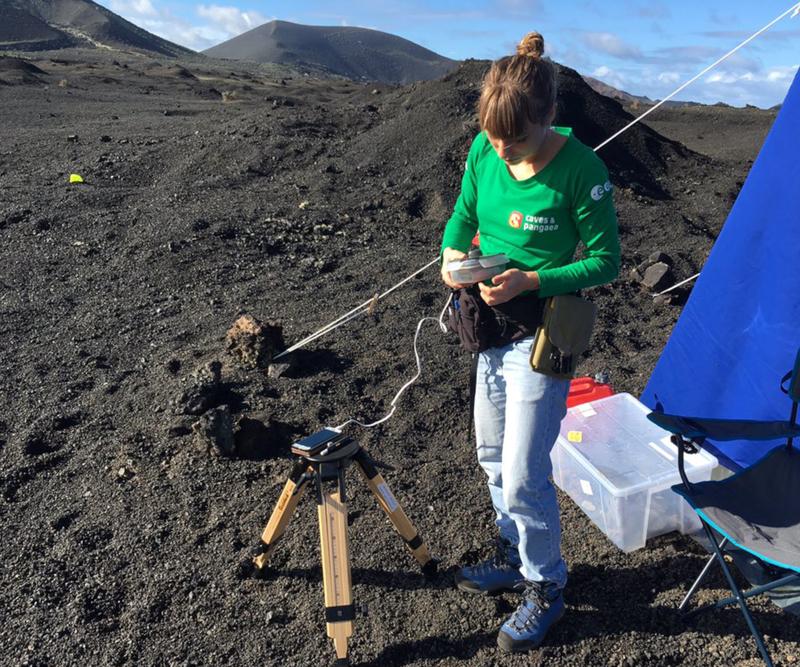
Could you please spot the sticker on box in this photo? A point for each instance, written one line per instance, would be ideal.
(575, 436)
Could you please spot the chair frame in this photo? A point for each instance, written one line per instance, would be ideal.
(690, 433)
(690, 446)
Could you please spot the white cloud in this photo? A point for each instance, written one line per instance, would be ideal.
(231, 20)
(611, 44)
(218, 25)
(701, 55)
(782, 74)
(141, 8)
(163, 23)
(197, 37)
(763, 89)
(610, 76)
(733, 37)
(569, 55)
(730, 85)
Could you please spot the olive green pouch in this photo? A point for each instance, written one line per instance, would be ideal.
(564, 335)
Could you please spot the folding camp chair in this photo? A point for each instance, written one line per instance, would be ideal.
(757, 509)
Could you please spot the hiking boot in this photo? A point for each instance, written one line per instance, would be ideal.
(542, 605)
(498, 573)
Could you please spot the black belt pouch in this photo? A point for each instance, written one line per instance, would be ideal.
(480, 326)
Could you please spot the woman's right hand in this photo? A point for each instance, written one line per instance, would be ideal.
(451, 255)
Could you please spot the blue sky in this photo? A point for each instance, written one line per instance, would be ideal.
(645, 48)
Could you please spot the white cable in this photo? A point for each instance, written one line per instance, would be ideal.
(794, 8)
(406, 385)
(353, 313)
(682, 282)
(442, 325)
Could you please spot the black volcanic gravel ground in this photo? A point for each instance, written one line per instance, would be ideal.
(294, 200)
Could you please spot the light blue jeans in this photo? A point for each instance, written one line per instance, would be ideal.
(517, 417)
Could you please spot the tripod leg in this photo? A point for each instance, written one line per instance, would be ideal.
(287, 504)
(339, 610)
(395, 513)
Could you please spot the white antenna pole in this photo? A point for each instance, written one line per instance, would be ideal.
(794, 8)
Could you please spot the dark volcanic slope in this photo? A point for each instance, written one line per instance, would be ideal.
(416, 132)
(292, 200)
(29, 25)
(356, 53)
(15, 71)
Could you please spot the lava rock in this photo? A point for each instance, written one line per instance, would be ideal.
(277, 370)
(213, 432)
(663, 299)
(659, 256)
(253, 343)
(180, 427)
(657, 276)
(654, 258)
(203, 392)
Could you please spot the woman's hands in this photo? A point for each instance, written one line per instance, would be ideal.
(451, 255)
(507, 285)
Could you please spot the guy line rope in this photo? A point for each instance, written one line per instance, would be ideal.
(368, 305)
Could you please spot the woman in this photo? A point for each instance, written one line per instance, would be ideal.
(533, 192)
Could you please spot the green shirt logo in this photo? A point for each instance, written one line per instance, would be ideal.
(598, 191)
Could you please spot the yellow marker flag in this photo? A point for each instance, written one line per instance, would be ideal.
(75, 178)
(575, 436)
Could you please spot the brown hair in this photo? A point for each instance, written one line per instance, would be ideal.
(518, 88)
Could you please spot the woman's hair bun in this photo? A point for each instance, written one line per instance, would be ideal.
(531, 45)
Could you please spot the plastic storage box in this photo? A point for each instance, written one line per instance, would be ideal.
(618, 467)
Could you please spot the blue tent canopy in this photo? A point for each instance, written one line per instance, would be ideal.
(739, 332)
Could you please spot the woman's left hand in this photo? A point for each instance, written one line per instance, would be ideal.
(507, 285)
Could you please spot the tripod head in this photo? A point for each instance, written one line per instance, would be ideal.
(324, 445)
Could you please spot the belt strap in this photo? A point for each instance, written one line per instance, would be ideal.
(473, 383)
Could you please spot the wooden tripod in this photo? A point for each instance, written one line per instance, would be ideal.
(327, 470)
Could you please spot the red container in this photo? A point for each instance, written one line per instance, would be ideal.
(583, 390)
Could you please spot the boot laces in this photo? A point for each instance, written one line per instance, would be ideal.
(536, 601)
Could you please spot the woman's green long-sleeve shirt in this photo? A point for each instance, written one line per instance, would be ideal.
(538, 222)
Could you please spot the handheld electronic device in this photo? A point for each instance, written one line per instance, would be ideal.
(477, 267)
(316, 442)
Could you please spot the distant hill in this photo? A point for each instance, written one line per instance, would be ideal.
(33, 25)
(355, 53)
(629, 100)
(626, 99)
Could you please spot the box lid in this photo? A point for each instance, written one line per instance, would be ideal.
(627, 452)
